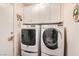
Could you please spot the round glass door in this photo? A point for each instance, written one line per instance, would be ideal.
(28, 37)
(50, 38)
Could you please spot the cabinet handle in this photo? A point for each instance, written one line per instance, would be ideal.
(11, 36)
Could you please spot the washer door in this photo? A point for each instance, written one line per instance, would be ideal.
(50, 38)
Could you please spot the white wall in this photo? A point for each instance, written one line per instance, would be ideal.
(72, 30)
(18, 9)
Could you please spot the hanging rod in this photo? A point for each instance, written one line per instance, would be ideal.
(42, 23)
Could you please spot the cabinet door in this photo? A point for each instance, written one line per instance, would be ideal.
(49, 12)
(55, 11)
(27, 14)
(39, 13)
(6, 29)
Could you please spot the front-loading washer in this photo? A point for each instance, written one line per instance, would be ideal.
(52, 40)
(29, 40)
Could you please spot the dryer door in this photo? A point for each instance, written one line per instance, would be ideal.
(28, 37)
(50, 38)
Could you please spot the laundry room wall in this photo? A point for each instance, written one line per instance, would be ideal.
(72, 30)
(18, 9)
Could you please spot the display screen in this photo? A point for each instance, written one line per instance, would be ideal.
(28, 37)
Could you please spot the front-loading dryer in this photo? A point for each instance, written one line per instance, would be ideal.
(29, 40)
(52, 40)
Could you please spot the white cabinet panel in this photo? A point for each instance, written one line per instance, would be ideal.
(55, 11)
(28, 13)
(39, 13)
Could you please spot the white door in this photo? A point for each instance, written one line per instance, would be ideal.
(6, 29)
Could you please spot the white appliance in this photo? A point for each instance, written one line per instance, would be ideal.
(52, 40)
(29, 40)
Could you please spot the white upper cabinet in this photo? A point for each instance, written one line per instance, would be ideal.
(42, 13)
(55, 11)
